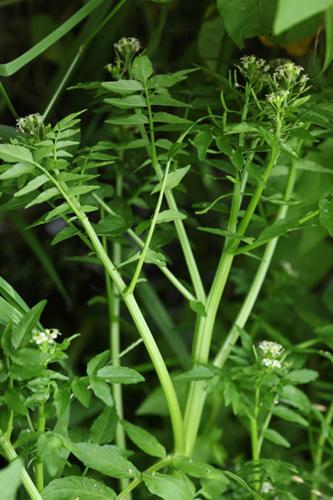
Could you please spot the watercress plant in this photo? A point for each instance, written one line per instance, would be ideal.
(130, 198)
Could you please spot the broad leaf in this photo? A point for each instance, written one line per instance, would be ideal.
(142, 68)
(291, 12)
(169, 487)
(144, 440)
(105, 459)
(120, 375)
(10, 480)
(276, 438)
(73, 487)
(13, 154)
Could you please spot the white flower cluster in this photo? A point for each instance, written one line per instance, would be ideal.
(48, 336)
(254, 63)
(270, 351)
(271, 363)
(31, 124)
(127, 46)
(291, 73)
(279, 98)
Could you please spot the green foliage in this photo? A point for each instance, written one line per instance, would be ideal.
(172, 192)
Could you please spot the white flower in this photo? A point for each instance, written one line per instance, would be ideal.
(270, 348)
(40, 338)
(266, 487)
(127, 45)
(48, 336)
(271, 363)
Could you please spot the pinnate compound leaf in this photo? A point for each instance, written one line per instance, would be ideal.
(105, 459)
(120, 375)
(276, 438)
(142, 68)
(144, 440)
(169, 487)
(73, 487)
(13, 154)
(10, 480)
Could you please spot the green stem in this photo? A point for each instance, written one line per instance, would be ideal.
(180, 229)
(159, 465)
(39, 471)
(319, 449)
(258, 280)
(114, 305)
(150, 233)
(255, 437)
(164, 269)
(197, 393)
(135, 312)
(10, 455)
(7, 101)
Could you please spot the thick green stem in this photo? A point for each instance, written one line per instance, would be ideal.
(10, 454)
(255, 446)
(114, 305)
(258, 280)
(319, 449)
(39, 470)
(147, 337)
(206, 324)
(135, 312)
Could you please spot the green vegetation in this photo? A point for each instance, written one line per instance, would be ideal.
(166, 289)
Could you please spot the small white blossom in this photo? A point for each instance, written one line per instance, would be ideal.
(40, 338)
(48, 336)
(31, 125)
(266, 487)
(127, 45)
(271, 363)
(297, 479)
(270, 348)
